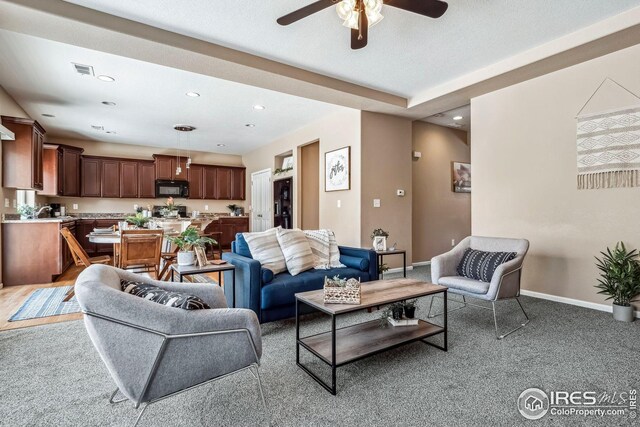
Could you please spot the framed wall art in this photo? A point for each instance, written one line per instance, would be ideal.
(337, 169)
(461, 177)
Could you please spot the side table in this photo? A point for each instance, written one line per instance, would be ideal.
(189, 270)
(382, 254)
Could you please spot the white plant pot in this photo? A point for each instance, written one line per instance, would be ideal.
(623, 313)
(186, 258)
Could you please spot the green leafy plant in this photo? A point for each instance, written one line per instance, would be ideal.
(280, 171)
(232, 207)
(396, 307)
(379, 232)
(26, 211)
(382, 268)
(620, 274)
(189, 239)
(410, 304)
(138, 220)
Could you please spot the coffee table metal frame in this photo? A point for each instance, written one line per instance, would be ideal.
(189, 270)
(430, 329)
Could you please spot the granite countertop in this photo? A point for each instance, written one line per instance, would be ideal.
(15, 218)
(38, 221)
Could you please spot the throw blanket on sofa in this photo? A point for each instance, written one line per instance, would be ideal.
(609, 149)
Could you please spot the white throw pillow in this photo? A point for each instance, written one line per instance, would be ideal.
(334, 252)
(319, 243)
(265, 248)
(296, 250)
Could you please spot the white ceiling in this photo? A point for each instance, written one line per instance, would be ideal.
(446, 118)
(407, 53)
(150, 99)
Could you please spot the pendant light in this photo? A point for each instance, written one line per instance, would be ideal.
(179, 129)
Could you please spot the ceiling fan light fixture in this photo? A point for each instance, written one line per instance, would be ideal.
(373, 5)
(373, 17)
(353, 21)
(345, 9)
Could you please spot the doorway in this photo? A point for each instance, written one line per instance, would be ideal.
(261, 200)
(310, 186)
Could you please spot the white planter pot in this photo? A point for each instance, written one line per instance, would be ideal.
(623, 313)
(186, 258)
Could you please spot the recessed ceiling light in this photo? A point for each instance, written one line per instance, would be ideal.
(106, 78)
(259, 107)
(193, 94)
(250, 125)
(458, 118)
(47, 115)
(109, 103)
(222, 145)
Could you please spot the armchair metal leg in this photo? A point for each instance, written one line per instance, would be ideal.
(144, 408)
(256, 374)
(495, 320)
(113, 402)
(463, 302)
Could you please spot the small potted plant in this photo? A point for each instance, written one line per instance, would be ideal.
(382, 268)
(170, 209)
(620, 279)
(186, 241)
(139, 220)
(232, 207)
(410, 308)
(26, 211)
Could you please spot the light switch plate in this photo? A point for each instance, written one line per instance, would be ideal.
(75, 206)
(206, 207)
(339, 203)
(135, 207)
(376, 203)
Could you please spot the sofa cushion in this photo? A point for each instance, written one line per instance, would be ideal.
(160, 296)
(281, 291)
(296, 250)
(241, 246)
(361, 264)
(464, 284)
(265, 248)
(480, 265)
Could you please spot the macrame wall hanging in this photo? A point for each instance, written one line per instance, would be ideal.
(609, 146)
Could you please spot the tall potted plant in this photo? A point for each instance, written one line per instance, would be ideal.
(619, 279)
(186, 241)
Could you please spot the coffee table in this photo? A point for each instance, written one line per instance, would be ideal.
(339, 347)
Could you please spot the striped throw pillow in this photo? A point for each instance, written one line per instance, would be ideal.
(296, 250)
(334, 251)
(319, 242)
(480, 265)
(264, 247)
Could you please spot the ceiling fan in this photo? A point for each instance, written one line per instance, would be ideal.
(359, 15)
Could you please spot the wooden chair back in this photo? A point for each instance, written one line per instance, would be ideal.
(80, 257)
(141, 248)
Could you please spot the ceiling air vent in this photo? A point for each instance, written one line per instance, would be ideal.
(83, 70)
(96, 127)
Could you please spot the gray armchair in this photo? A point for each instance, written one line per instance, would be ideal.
(505, 282)
(152, 351)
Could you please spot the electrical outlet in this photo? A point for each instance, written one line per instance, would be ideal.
(339, 203)
(453, 242)
(7, 203)
(75, 206)
(376, 203)
(135, 207)
(206, 207)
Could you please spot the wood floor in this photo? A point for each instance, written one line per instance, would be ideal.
(12, 297)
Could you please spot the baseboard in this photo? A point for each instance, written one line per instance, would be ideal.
(592, 305)
(421, 263)
(398, 270)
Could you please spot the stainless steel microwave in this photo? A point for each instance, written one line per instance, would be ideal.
(178, 189)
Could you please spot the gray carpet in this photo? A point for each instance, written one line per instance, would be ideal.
(51, 376)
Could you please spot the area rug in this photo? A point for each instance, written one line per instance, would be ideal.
(46, 302)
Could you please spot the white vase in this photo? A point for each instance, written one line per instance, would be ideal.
(186, 258)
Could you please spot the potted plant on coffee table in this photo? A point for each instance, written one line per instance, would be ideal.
(186, 241)
(620, 279)
(410, 308)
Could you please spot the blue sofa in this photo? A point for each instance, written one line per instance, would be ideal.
(272, 297)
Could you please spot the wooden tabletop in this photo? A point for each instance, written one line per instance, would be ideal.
(374, 293)
(391, 252)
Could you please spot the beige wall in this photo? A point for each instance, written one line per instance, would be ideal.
(524, 175)
(310, 186)
(439, 214)
(386, 168)
(334, 131)
(99, 205)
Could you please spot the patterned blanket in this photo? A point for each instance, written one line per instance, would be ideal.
(609, 149)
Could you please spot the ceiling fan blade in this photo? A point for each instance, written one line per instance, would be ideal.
(358, 42)
(305, 11)
(430, 8)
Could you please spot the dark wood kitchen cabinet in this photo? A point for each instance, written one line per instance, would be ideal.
(238, 183)
(209, 182)
(196, 181)
(22, 157)
(51, 179)
(84, 227)
(223, 183)
(166, 167)
(90, 172)
(146, 179)
(110, 177)
(69, 170)
(129, 178)
(228, 226)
